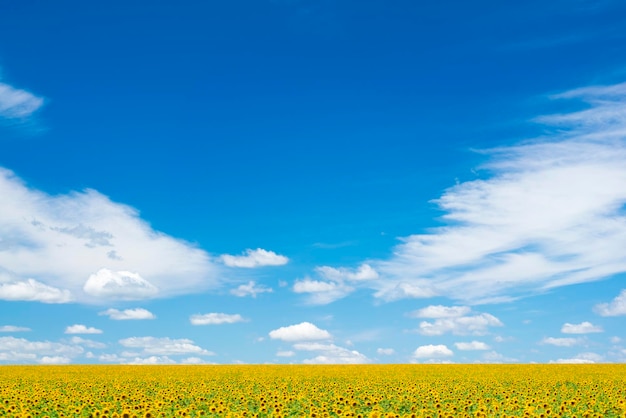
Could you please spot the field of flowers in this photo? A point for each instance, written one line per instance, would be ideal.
(316, 391)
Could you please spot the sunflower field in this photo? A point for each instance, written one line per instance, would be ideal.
(314, 391)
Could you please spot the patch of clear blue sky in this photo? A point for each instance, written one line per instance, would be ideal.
(317, 129)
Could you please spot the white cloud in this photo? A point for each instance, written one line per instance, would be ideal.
(13, 328)
(215, 319)
(336, 283)
(20, 350)
(582, 358)
(87, 343)
(254, 258)
(432, 351)
(55, 360)
(119, 285)
(364, 272)
(615, 308)
(304, 331)
(331, 354)
(17, 104)
(463, 325)
(61, 241)
(250, 289)
(543, 214)
(473, 345)
(385, 351)
(33, 291)
(82, 329)
(582, 328)
(321, 292)
(288, 353)
(615, 340)
(561, 342)
(151, 360)
(164, 346)
(439, 311)
(128, 314)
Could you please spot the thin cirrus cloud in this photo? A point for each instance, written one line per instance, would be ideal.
(16, 103)
(254, 258)
(547, 213)
(84, 247)
(128, 314)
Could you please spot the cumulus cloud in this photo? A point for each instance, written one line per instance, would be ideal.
(304, 331)
(215, 319)
(82, 245)
(561, 342)
(82, 329)
(543, 214)
(55, 360)
(250, 289)
(164, 346)
(615, 308)
(477, 324)
(254, 258)
(385, 351)
(331, 354)
(20, 350)
(582, 328)
(285, 353)
(13, 328)
(119, 285)
(473, 345)
(16, 103)
(432, 351)
(128, 314)
(33, 291)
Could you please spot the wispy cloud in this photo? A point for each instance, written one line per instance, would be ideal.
(250, 289)
(16, 103)
(334, 283)
(82, 246)
(547, 213)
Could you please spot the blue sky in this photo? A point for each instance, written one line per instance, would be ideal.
(299, 181)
